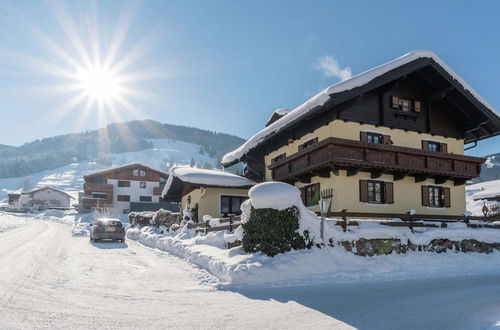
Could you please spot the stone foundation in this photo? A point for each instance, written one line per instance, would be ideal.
(371, 247)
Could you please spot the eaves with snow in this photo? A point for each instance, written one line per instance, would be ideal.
(367, 80)
(181, 177)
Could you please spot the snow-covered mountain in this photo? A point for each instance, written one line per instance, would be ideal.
(491, 168)
(163, 154)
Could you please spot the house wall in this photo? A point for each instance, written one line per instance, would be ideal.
(208, 200)
(346, 189)
(351, 131)
(407, 194)
(134, 191)
(55, 197)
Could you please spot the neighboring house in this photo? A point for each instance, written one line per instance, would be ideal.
(133, 187)
(14, 198)
(388, 140)
(206, 192)
(45, 198)
(486, 191)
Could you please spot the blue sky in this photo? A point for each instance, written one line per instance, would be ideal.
(226, 65)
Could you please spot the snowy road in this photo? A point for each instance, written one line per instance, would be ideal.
(49, 279)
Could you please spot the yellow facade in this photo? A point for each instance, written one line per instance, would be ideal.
(407, 193)
(208, 200)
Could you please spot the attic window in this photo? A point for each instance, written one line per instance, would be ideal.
(405, 105)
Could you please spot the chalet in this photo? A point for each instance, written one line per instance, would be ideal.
(133, 187)
(388, 140)
(44, 198)
(206, 192)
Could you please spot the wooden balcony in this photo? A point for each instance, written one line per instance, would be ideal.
(332, 154)
(157, 191)
(90, 203)
(89, 188)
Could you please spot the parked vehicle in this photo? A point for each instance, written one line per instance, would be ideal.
(111, 229)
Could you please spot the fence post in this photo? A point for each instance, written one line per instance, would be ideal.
(344, 218)
(230, 223)
(410, 214)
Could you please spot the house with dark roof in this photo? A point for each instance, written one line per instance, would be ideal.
(387, 140)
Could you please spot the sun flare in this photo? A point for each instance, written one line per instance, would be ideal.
(98, 83)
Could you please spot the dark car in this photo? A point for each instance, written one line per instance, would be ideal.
(111, 229)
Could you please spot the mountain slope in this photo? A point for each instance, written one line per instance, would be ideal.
(99, 145)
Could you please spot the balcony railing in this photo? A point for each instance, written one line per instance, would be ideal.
(334, 153)
(157, 191)
(88, 188)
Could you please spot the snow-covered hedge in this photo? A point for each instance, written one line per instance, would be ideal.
(159, 218)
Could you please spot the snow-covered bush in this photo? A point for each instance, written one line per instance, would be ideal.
(165, 218)
(141, 218)
(278, 221)
(273, 231)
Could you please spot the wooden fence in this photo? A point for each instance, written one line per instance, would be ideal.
(230, 223)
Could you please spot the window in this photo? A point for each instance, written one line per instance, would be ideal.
(278, 158)
(162, 180)
(126, 211)
(374, 138)
(123, 183)
(99, 195)
(145, 198)
(310, 194)
(405, 105)
(135, 172)
(123, 198)
(142, 185)
(436, 196)
(434, 146)
(308, 143)
(231, 204)
(376, 192)
(143, 173)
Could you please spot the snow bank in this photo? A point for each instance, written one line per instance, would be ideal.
(307, 267)
(478, 191)
(356, 81)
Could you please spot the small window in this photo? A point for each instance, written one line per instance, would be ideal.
(142, 185)
(310, 194)
(99, 196)
(434, 146)
(145, 198)
(126, 211)
(123, 183)
(231, 204)
(405, 105)
(374, 138)
(376, 192)
(135, 172)
(162, 180)
(143, 173)
(278, 158)
(308, 143)
(436, 196)
(123, 198)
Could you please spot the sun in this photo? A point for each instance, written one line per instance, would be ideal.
(98, 83)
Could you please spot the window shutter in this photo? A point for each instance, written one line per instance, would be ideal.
(425, 145)
(389, 192)
(386, 139)
(444, 147)
(303, 195)
(417, 106)
(446, 197)
(363, 136)
(395, 102)
(363, 191)
(425, 195)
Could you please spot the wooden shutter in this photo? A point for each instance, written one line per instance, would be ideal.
(303, 195)
(425, 195)
(389, 193)
(425, 145)
(363, 190)
(363, 136)
(444, 147)
(395, 102)
(418, 106)
(446, 197)
(386, 139)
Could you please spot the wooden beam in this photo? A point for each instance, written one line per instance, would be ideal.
(420, 177)
(324, 174)
(399, 176)
(352, 171)
(439, 180)
(305, 179)
(375, 174)
(458, 182)
(441, 94)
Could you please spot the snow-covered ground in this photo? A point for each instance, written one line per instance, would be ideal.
(51, 279)
(70, 178)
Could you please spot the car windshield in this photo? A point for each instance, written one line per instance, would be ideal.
(113, 223)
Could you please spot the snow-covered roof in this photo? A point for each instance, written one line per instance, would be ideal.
(203, 177)
(115, 168)
(31, 192)
(357, 81)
